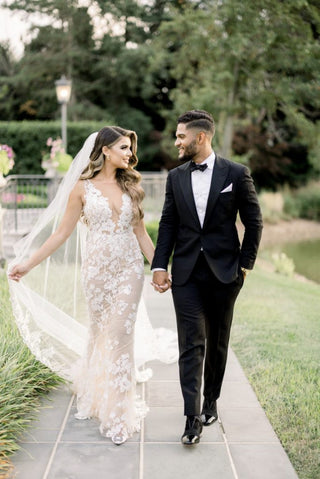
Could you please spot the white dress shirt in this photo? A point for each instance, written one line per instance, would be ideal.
(201, 181)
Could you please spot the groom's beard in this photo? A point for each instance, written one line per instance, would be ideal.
(190, 152)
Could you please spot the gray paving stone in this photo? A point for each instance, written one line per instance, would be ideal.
(164, 424)
(160, 307)
(163, 371)
(235, 375)
(46, 426)
(174, 461)
(247, 425)
(50, 417)
(232, 358)
(212, 433)
(237, 394)
(86, 431)
(98, 461)
(165, 394)
(59, 397)
(31, 461)
(38, 435)
(261, 461)
(234, 371)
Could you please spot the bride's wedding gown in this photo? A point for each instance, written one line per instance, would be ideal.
(112, 275)
(94, 344)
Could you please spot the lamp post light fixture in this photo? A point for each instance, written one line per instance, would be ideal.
(63, 91)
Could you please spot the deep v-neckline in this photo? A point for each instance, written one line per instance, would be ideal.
(107, 199)
(115, 221)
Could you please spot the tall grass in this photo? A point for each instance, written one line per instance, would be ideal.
(276, 336)
(22, 381)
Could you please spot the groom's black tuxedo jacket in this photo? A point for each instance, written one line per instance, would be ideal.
(180, 228)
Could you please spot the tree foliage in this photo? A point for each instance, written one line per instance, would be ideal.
(255, 65)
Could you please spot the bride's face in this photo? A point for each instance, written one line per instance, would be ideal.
(119, 154)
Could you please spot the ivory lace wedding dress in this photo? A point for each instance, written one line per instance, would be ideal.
(86, 332)
(112, 275)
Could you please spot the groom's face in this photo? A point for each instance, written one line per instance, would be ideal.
(186, 142)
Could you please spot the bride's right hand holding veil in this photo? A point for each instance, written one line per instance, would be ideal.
(62, 233)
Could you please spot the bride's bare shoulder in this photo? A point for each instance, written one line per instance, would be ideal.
(78, 189)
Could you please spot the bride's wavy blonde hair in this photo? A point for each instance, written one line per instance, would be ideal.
(128, 179)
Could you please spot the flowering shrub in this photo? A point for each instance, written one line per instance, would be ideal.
(283, 264)
(6, 159)
(8, 198)
(57, 157)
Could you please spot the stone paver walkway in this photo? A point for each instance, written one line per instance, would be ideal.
(241, 445)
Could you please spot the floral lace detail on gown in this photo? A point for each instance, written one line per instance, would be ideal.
(112, 276)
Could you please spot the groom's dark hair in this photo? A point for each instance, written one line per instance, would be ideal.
(200, 119)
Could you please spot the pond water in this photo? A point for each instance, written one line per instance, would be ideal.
(306, 257)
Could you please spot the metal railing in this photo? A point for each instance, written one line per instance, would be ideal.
(22, 199)
(154, 185)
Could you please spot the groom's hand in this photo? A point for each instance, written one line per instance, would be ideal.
(161, 281)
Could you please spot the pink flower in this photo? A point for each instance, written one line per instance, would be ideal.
(6, 159)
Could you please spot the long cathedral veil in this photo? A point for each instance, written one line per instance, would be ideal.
(48, 303)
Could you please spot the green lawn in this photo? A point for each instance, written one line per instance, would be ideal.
(22, 381)
(276, 337)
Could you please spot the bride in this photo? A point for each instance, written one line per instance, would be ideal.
(97, 235)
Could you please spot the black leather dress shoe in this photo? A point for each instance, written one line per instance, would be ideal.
(209, 413)
(192, 431)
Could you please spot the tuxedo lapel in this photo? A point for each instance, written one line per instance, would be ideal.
(186, 190)
(219, 174)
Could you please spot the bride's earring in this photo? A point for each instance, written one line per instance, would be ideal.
(105, 154)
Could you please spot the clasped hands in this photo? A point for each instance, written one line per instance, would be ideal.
(161, 281)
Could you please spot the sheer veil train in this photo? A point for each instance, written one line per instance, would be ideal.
(49, 304)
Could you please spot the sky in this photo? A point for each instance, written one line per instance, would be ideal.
(13, 28)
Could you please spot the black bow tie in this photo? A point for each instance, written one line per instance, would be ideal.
(194, 166)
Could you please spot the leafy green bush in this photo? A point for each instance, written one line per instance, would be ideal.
(304, 203)
(23, 380)
(152, 228)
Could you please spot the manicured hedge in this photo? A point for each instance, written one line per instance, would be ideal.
(28, 140)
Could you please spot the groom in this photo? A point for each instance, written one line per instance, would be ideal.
(198, 222)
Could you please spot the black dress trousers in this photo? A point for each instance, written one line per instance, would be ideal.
(204, 310)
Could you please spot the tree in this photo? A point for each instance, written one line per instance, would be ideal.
(253, 62)
(109, 71)
(7, 70)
